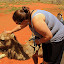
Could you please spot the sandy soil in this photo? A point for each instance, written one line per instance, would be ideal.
(6, 23)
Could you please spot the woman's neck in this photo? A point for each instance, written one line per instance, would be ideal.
(32, 12)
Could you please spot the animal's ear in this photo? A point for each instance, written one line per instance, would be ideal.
(12, 35)
(2, 38)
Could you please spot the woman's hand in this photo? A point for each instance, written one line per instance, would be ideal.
(17, 28)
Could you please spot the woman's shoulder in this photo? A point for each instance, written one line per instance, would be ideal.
(39, 15)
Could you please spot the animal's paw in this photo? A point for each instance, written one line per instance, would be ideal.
(2, 56)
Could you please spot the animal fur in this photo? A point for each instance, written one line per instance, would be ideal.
(11, 48)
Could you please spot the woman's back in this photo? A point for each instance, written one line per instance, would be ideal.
(55, 26)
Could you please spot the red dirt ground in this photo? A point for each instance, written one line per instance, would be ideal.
(6, 23)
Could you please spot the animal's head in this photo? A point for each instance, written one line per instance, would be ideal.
(13, 49)
(5, 39)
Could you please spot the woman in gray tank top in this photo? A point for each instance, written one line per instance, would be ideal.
(45, 26)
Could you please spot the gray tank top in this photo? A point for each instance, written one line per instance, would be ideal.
(55, 26)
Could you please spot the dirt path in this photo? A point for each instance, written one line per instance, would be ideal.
(6, 23)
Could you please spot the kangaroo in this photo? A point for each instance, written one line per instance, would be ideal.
(11, 48)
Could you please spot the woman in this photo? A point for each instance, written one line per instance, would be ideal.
(45, 26)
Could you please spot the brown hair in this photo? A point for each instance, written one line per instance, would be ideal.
(22, 14)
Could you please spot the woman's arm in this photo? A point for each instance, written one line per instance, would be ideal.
(42, 28)
(17, 28)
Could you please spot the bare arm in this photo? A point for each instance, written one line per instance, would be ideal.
(17, 28)
(42, 28)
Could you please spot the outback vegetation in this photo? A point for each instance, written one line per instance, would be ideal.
(9, 5)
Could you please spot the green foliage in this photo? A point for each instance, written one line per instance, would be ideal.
(13, 9)
(43, 1)
(6, 4)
